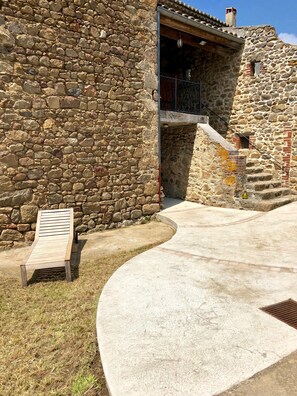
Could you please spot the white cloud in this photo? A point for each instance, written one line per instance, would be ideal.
(288, 38)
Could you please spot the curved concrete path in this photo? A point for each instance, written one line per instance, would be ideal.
(184, 319)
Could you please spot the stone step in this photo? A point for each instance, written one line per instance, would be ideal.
(263, 185)
(264, 192)
(252, 164)
(253, 170)
(271, 193)
(259, 177)
(268, 204)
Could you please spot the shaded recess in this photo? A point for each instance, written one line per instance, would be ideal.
(196, 78)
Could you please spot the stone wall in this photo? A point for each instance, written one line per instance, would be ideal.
(78, 125)
(265, 105)
(218, 76)
(199, 166)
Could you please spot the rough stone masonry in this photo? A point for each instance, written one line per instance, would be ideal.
(78, 124)
(259, 104)
(265, 101)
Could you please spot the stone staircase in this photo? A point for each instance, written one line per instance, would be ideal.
(264, 192)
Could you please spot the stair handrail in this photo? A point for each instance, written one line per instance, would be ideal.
(263, 153)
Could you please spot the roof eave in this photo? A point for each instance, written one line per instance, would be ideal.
(201, 26)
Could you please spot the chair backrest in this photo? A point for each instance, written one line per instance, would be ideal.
(55, 222)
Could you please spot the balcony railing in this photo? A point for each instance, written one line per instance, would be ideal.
(182, 96)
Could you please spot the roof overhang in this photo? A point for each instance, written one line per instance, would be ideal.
(174, 26)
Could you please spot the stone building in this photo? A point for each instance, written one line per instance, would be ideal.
(247, 82)
(103, 103)
(79, 126)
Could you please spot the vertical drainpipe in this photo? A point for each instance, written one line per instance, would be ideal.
(159, 102)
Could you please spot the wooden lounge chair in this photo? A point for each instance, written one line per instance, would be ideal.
(53, 241)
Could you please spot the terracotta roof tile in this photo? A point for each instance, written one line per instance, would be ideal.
(192, 13)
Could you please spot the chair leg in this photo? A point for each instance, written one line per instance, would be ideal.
(68, 271)
(75, 248)
(24, 275)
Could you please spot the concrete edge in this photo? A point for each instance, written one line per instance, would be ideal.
(214, 136)
(163, 220)
(105, 370)
(167, 221)
(173, 118)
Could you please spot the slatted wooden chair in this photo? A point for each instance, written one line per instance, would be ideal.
(53, 242)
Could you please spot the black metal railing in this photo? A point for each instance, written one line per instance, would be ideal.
(181, 96)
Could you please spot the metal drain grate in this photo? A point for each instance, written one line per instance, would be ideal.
(286, 311)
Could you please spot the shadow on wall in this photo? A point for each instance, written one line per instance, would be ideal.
(177, 143)
(218, 75)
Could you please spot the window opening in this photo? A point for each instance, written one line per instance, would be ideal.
(244, 142)
(256, 68)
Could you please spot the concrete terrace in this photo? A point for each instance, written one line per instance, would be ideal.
(183, 318)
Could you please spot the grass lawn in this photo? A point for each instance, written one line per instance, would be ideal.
(48, 342)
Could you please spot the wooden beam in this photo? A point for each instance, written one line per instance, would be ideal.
(195, 42)
(211, 37)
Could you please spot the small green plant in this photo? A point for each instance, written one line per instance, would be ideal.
(146, 219)
(83, 384)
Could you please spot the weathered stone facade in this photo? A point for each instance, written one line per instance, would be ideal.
(265, 101)
(197, 167)
(78, 124)
(79, 120)
(261, 107)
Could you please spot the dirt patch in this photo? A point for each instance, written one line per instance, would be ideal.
(277, 380)
(48, 340)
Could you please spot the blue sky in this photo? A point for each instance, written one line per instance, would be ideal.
(281, 15)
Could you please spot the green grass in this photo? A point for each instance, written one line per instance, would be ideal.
(84, 384)
(48, 342)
